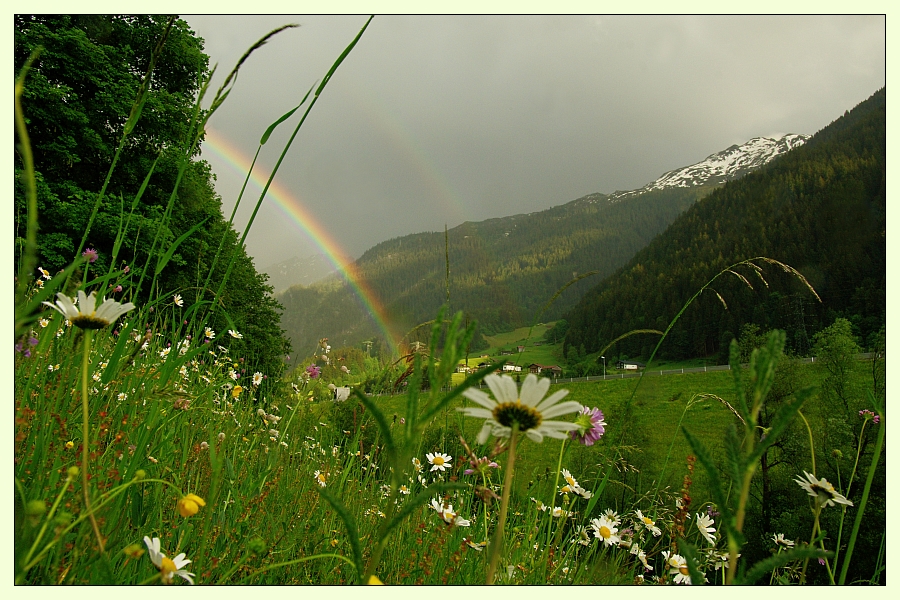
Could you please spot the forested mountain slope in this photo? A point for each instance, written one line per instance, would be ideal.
(819, 208)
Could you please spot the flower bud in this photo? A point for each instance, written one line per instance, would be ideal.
(73, 472)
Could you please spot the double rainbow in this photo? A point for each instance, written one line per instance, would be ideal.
(299, 216)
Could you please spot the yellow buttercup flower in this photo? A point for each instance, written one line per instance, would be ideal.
(373, 581)
(190, 504)
(236, 391)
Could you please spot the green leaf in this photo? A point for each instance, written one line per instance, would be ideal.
(352, 531)
(281, 120)
(690, 557)
(379, 420)
(164, 259)
(780, 422)
(715, 484)
(111, 369)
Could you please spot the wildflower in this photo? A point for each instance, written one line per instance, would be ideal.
(235, 334)
(612, 516)
(209, 333)
(868, 414)
(704, 524)
(117, 289)
(642, 556)
(438, 460)
(313, 371)
(527, 408)
(373, 580)
(273, 433)
(678, 567)
(190, 504)
(84, 315)
(90, 254)
(591, 426)
(319, 478)
(233, 374)
(53, 367)
(70, 444)
(168, 566)
(177, 300)
(572, 486)
(477, 546)
(122, 396)
(648, 523)
(404, 490)
(44, 273)
(236, 391)
(605, 530)
(781, 541)
(417, 464)
(44, 322)
(221, 437)
(581, 536)
(257, 378)
(164, 352)
(480, 466)
(204, 445)
(558, 512)
(448, 515)
(39, 282)
(822, 491)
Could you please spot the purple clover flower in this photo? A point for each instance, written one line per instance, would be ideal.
(313, 371)
(90, 254)
(480, 466)
(591, 426)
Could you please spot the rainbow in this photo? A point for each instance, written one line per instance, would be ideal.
(300, 216)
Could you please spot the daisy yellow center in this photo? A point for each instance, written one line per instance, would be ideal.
(570, 481)
(167, 567)
(438, 460)
(605, 532)
(321, 477)
(683, 569)
(89, 322)
(507, 413)
(648, 521)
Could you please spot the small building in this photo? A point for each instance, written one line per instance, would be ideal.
(547, 370)
(629, 365)
(520, 348)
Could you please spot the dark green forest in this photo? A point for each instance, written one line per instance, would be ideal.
(78, 96)
(819, 208)
(502, 271)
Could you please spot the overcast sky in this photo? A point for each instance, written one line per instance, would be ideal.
(436, 120)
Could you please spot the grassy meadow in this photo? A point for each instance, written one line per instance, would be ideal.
(150, 449)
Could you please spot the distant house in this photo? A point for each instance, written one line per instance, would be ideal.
(520, 348)
(509, 367)
(551, 370)
(629, 365)
(505, 352)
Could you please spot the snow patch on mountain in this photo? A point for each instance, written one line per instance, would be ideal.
(731, 163)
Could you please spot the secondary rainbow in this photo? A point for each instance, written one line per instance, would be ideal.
(299, 215)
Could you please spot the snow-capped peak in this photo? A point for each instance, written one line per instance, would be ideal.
(731, 163)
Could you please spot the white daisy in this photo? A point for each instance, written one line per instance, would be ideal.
(780, 540)
(677, 567)
(527, 407)
(438, 460)
(177, 300)
(448, 515)
(319, 478)
(648, 523)
(257, 378)
(209, 333)
(605, 530)
(704, 524)
(642, 556)
(822, 491)
(86, 314)
(167, 566)
(235, 334)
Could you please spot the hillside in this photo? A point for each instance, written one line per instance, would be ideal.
(504, 270)
(819, 208)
